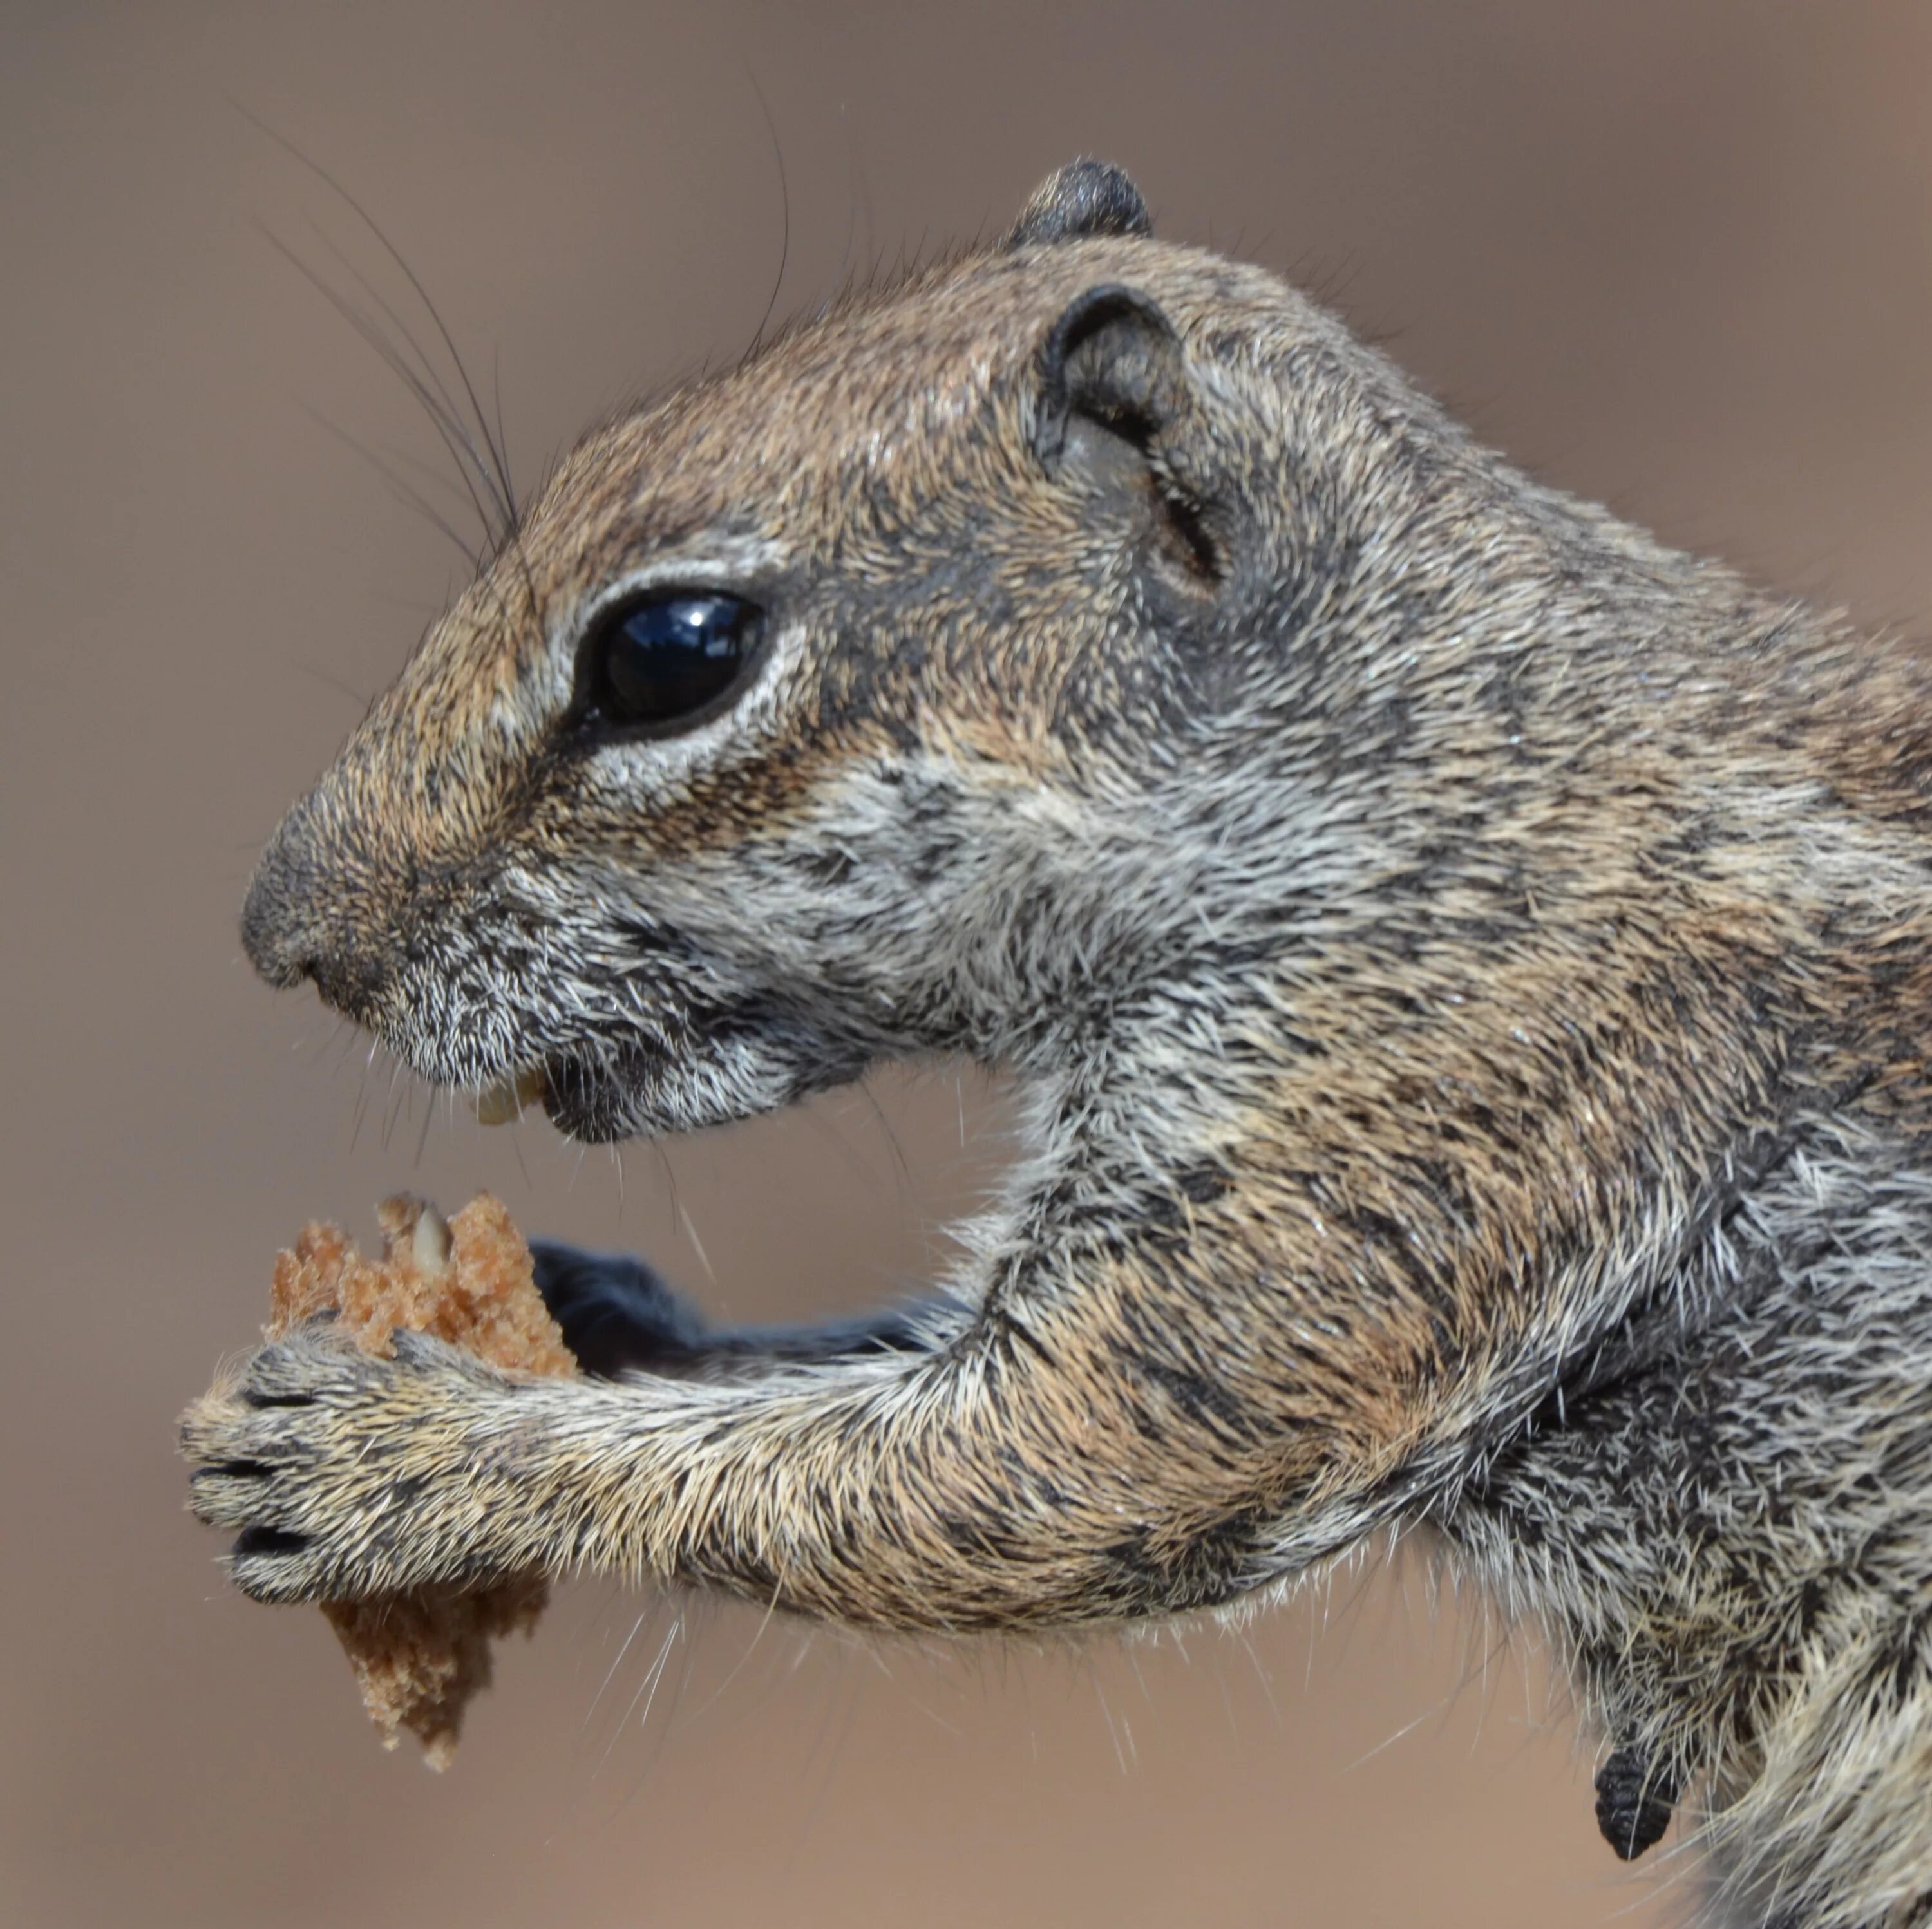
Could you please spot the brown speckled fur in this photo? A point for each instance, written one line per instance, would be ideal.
(1467, 967)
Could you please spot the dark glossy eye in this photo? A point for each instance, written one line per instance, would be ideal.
(663, 660)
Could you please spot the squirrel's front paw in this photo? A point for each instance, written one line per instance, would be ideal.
(344, 1474)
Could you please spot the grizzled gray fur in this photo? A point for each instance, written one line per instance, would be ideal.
(1467, 968)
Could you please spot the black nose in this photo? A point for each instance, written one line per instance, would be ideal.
(278, 927)
(304, 918)
(268, 935)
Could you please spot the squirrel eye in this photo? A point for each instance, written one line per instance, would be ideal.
(664, 660)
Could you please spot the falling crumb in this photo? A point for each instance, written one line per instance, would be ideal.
(422, 1656)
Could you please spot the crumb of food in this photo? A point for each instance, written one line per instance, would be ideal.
(422, 1656)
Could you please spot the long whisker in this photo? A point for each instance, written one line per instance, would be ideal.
(449, 428)
(502, 444)
(516, 526)
(500, 517)
(784, 203)
(451, 413)
(429, 471)
(404, 492)
(506, 494)
(452, 433)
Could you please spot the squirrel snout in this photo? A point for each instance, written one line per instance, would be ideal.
(299, 919)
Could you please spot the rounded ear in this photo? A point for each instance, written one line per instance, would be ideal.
(1113, 360)
(1114, 357)
(1084, 197)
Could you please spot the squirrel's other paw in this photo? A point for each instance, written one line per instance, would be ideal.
(342, 1474)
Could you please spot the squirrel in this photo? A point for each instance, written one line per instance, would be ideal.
(1466, 966)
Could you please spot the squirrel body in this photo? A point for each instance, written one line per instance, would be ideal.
(1467, 968)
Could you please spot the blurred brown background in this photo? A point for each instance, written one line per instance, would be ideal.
(1675, 255)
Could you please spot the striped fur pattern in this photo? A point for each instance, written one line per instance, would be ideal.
(1466, 966)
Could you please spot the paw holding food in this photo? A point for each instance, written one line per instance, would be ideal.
(420, 1654)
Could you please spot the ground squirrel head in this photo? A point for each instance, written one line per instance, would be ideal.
(946, 676)
(773, 738)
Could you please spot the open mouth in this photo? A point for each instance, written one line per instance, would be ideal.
(702, 1065)
(593, 1101)
(508, 1098)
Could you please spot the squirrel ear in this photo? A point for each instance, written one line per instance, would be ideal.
(1114, 357)
(1084, 197)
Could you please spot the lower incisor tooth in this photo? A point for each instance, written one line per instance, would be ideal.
(510, 1098)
